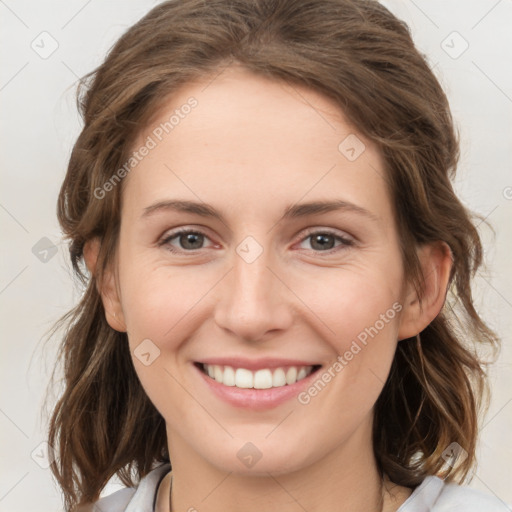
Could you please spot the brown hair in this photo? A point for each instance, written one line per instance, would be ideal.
(359, 55)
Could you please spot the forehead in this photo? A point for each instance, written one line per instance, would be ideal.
(241, 137)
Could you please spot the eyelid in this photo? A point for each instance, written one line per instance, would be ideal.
(173, 233)
(327, 231)
(346, 239)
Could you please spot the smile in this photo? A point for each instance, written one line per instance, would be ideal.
(264, 385)
(265, 378)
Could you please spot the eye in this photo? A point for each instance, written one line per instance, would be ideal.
(188, 240)
(325, 241)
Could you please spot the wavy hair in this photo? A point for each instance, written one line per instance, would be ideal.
(359, 55)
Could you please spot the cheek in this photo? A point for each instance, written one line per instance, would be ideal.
(160, 305)
(365, 315)
(357, 302)
(361, 315)
(156, 299)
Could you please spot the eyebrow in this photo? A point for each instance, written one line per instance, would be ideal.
(291, 212)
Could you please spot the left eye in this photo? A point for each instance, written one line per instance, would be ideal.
(325, 241)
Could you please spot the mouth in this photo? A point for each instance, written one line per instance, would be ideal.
(258, 379)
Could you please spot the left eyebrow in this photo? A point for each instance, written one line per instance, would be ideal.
(319, 207)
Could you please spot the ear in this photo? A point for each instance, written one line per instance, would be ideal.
(436, 263)
(107, 286)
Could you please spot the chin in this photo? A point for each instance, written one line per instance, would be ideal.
(260, 456)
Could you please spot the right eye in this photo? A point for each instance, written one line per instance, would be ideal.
(188, 240)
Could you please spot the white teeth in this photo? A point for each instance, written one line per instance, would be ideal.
(243, 378)
(263, 379)
(302, 373)
(229, 376)
(260, 379)
(291, 375)
(279, 378)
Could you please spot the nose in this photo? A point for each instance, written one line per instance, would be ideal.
(253, 300)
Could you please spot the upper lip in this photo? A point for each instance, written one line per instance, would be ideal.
(255, 364)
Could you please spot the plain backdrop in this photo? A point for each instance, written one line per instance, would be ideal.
(47, 45)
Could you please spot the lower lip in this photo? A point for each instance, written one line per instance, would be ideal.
(256, 399)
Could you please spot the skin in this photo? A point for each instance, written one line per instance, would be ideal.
(251, 148)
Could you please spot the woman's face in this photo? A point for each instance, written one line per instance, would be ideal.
(270, 283)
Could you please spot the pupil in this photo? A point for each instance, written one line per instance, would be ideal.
(321, 240)
(191, 238)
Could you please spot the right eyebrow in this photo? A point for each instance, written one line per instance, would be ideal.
(202, 209)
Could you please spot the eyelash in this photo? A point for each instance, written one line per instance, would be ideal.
(345, 242)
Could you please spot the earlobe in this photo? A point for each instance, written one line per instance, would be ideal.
(106, 285)
(436, 262)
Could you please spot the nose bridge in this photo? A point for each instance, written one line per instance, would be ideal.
(253, 299)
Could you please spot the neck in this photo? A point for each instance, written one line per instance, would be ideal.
(345, 479)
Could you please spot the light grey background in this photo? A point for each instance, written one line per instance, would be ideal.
(40, 123)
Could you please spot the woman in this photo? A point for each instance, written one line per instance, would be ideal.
(300, 353)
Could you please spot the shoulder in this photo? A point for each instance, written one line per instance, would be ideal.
(434, 495)
(133, 499)
(457, 498)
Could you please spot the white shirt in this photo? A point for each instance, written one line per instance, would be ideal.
(432, 495)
